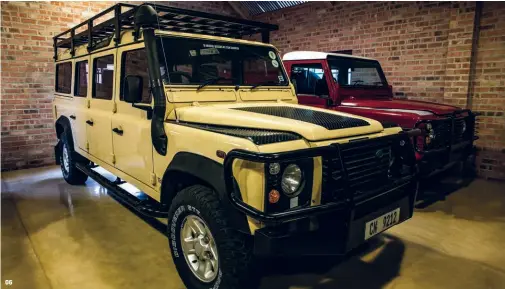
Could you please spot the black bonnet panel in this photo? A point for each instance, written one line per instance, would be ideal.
(326, 120)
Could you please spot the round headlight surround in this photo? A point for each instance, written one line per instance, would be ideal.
(292, 180)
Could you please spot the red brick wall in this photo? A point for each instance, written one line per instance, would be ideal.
(424, 48)
(28, 72)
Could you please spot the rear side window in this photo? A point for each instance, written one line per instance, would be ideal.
(135, 63)
(81, 78)
(103, 77)
(63, 77)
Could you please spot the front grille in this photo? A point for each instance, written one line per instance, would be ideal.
(458, 134)
(366, 165)
(442, 134)
(447, 132)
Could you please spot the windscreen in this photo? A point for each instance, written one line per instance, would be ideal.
(357, 72)
(189, 61)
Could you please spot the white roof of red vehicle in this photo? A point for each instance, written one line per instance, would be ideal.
(306, 55)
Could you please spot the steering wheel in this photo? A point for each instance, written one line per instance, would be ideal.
(181, 73)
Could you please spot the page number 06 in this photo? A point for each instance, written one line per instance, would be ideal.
(8, 282)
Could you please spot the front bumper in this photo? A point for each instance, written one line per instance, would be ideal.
(334, 227)
(332, 233)
(437, 161)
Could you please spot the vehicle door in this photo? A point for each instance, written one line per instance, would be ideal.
(67, 104)
(101, 106)
(79, 113)
(131, 126)
(311, 83)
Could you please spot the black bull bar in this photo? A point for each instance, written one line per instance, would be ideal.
(233, 191)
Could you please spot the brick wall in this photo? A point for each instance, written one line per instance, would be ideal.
(424, 48)
(27, 136)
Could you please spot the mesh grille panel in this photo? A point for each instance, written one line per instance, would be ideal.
(366, 164)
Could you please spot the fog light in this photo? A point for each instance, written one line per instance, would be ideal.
(273, 196)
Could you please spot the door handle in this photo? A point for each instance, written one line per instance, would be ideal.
(72, 116)
(90, 122)
(118, 131)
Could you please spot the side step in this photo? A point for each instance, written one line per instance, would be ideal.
(146, 206)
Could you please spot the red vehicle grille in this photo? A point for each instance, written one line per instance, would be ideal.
(446, 132)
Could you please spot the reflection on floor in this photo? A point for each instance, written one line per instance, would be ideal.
(74, 237)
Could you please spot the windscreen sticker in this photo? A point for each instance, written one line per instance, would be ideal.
(275, 63)
(281, 78)
(192, 53)
(271, 54)
(209, 51)
(221, 46)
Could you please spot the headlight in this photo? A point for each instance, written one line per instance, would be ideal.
(463, 129)
(292, 179)
(432, 134)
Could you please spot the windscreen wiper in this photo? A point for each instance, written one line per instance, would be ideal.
(263, 83)
(210, 81)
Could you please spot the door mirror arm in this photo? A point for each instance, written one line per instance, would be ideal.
(329, 102)
(146, 108)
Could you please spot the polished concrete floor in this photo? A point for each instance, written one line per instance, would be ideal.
(76, 237)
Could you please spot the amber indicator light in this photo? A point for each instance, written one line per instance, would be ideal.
(274, 196)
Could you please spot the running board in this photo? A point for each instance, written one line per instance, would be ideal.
(146, 206)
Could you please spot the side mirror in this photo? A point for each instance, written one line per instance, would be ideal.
(132, 89)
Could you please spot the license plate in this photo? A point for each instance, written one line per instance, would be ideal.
(381, 223)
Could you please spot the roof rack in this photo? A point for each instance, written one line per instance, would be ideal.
(169, 18)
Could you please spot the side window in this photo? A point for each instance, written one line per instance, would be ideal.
(309, 79)
(81, 78)
(103, 77)
(135, 63)
(63, 77)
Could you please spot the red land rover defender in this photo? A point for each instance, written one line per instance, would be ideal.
(357, 85)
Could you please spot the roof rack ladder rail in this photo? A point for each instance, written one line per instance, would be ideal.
(90, 34)
(72, 44)
(55, 47)
(265, 36)
(117, 24)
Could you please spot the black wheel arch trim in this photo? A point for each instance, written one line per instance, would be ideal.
(64, 122)
(208, 172)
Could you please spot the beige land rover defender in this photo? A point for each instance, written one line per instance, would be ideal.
(208, 127)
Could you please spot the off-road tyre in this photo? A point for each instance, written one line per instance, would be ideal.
(71, 174)
(237, 268)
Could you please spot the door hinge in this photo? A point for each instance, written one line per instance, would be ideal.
(113, 158)
(153, 179)
(88, 103)
(114, 107)
(87, 146)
